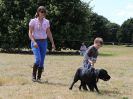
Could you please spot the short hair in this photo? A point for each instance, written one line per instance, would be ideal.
(98, 40)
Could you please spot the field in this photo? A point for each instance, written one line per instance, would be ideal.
(15, 76)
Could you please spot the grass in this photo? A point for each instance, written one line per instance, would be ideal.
(15, 76)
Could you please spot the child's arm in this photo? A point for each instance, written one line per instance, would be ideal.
(92, 62)
(92, 56)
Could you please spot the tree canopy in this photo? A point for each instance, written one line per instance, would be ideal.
(72, 22)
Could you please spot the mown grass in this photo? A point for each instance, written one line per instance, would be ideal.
(15, 76)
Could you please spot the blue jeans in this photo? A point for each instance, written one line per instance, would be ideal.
(39, 52)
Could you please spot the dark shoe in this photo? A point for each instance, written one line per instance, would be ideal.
(39, 81)
(34, 72)
(34, 80)
(40, 69)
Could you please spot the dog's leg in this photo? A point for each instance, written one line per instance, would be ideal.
(74, 81)
(73, 84)
(95, 86)
(76, 78)
(91, 87)
(80, 87)
(83, 85)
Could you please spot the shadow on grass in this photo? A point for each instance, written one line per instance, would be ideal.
(55, 53)
(106, 54)
(48, 53)
(57, 84)
(102, 92)
(109, 92)
(51, 83)
(129, 46)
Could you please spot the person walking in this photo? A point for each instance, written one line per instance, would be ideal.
(83, 49)
(39, 30)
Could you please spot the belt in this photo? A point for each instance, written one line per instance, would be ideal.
(40, 40)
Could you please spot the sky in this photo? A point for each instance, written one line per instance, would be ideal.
(116, 11)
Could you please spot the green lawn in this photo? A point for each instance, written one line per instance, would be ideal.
(15, 76)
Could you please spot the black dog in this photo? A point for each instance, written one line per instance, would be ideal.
(90, 78)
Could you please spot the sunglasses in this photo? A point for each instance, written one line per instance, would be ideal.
(42, 11)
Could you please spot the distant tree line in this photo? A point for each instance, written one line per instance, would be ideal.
(72, 22)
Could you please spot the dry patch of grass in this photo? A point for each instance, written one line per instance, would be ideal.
(15, 76)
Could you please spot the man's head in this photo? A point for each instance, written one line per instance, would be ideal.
(98, 42)
(83, 43)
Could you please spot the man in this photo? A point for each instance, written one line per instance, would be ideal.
(82, 49)
(91, 54)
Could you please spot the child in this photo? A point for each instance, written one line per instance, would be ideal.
(91, 54)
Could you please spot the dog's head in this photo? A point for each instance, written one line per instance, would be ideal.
(103, 74)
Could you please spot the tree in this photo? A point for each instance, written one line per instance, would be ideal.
(68, 22)
(72, 22)
(113, 29)
(14, 26)
(126, 32)
(98, 25)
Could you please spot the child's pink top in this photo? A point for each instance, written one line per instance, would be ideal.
(39, 30)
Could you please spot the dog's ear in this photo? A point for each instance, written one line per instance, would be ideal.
(97, 74)
(97, 79)
(103, 71)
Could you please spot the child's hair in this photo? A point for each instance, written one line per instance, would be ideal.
(98, 40)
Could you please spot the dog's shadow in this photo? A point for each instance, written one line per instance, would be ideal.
(109, 92)
(102, 92)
